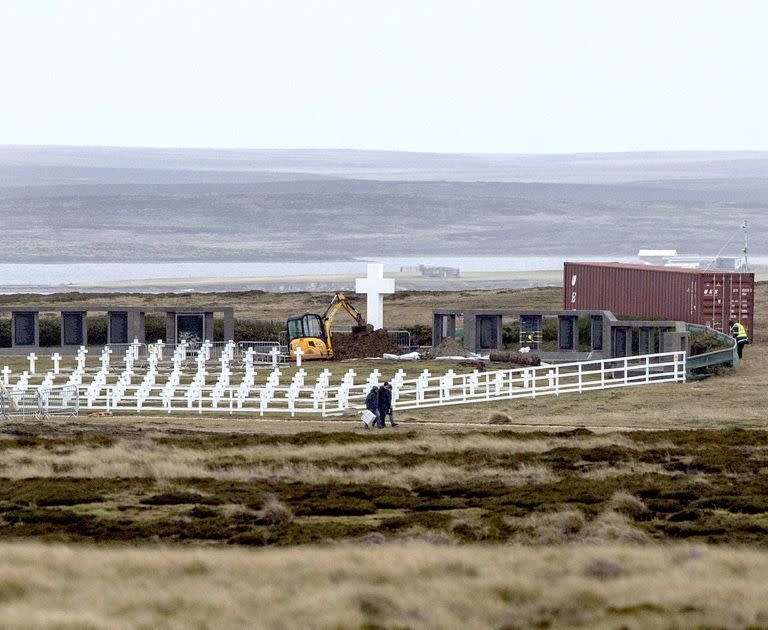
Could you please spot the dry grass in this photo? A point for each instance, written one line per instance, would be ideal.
(308, 464)
(413, 585)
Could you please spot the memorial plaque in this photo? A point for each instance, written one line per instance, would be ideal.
(24, 329)
(488, 328)
(72, 329)
(597, 332)
(118, 327)
(190, 327)
(566, 334)
(620, 335)
(646, 341)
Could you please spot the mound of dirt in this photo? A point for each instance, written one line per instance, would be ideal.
(362, 345)
(515, 358)
(450, 348)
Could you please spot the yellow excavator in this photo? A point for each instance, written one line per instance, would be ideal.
(312, 332)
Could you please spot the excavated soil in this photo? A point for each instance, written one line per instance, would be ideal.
(362, 345)
(515, 358)
(450, 348)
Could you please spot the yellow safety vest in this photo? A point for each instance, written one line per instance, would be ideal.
(739, 331)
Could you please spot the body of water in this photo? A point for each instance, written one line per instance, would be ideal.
(52, 275)
(87, 273)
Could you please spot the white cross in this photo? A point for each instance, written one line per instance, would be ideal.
(275, 352)
(82, 351)
(6, 375)
(56, 357)
(32, 359)
(375, 286)
(298, 353)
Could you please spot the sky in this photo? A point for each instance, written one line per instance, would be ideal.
(543, 76)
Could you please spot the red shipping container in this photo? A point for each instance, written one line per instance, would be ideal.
(690, 295)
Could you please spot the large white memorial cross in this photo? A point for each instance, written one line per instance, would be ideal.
(375, 286)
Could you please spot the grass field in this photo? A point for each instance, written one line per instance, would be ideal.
(415, 585)
(638, 507)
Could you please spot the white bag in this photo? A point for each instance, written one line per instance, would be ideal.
(368, 417)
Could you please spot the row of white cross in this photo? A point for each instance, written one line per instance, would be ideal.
(155, 354)
(142, 390)
(168, 384)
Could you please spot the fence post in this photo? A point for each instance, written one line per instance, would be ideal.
(647, 368)
(579, 377)
(626, 371)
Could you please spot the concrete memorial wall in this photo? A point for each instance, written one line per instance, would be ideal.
(124, 324)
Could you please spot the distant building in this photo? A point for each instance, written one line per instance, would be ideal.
(439, 272)
(670, 258)
(433, 272)
(656, 256)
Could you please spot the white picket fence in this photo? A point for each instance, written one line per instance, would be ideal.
(427, 390)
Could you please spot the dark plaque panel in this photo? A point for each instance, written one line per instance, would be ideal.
(488, 330)
(597, 333)
(190, 327)
(72, 326)
(24, 329)
(567, 336)
(118, 328)
(619, 342)
(646, 336)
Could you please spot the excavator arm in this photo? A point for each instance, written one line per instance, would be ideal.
(312, 333)
(338, 302)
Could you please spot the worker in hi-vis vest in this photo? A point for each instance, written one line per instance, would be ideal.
(740, 335)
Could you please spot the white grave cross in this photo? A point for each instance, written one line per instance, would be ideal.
(6, 375)
(56, 357)
(375, 286)
(32, 359)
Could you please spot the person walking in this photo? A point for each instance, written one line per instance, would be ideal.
(385, 406)
(740, 335)
(372, 405)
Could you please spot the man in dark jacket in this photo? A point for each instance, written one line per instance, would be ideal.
(372, 405)
(385, 405)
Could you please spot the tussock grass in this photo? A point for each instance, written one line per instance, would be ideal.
(414, 585)
(468, 486)
(414, 460)
(499, 418)
(626, 504)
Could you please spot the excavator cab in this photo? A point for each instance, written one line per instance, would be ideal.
(308, 333)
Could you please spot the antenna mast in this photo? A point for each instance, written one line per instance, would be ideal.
(745, 228)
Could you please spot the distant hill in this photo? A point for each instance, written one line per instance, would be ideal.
(63, 204)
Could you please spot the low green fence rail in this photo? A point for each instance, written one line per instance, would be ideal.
(727, 356)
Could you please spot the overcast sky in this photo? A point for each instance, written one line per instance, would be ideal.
(480, 76)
